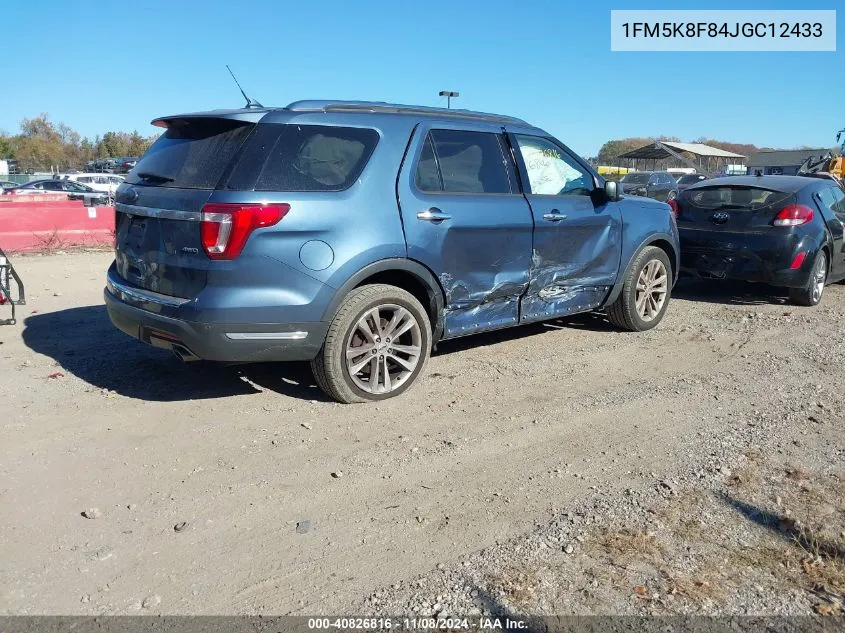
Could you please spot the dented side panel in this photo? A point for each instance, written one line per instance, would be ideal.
(575, 261)
(481, 254)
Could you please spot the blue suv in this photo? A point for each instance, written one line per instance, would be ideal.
(357, 235)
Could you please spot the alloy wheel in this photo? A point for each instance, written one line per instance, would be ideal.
(383, 348)
(652, 289)
(819, 276)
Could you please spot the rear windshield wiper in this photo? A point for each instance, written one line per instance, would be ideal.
(158, 177)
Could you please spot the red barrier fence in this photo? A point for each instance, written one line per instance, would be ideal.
(33, 223)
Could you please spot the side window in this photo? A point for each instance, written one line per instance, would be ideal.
(470, 162)
(838, 202)
(833, 199)
(85, 179)
(551, 172)
(427, 177)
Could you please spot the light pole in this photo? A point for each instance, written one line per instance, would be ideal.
(449, 94)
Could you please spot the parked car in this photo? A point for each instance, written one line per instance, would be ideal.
(650, 184)
(357, 235)
(685, 180)
(7, 184)
(782, 230)
(74, 190)
(107, 183)
(125, 165)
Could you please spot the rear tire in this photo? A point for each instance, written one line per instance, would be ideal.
(811, 294)
(376, 347)
(645, 292)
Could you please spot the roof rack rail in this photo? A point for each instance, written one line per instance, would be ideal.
(395, 108)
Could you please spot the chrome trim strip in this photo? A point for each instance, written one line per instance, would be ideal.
(123, 291)
(165, 214)
(266, 336)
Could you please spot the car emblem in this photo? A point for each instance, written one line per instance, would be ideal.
(720, 217)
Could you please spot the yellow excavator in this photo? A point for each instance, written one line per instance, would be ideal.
(828, 165)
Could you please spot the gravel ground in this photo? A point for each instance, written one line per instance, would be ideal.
(563, 468)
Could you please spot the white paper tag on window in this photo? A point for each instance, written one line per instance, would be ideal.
(92, 212)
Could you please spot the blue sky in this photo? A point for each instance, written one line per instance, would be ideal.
(109, 65)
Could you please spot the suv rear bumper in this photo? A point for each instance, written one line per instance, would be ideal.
(224, 342)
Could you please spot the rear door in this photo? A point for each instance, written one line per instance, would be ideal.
(577, 233)
(158, 209)
(465, 219)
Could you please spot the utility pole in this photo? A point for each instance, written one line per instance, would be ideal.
(449, 94)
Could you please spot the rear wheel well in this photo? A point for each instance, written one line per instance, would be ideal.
(670, 253)
(413, 284)
(826, 250)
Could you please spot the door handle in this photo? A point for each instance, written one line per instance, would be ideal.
(433, 215)
(554, 216)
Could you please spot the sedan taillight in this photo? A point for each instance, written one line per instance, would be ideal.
(794, 215)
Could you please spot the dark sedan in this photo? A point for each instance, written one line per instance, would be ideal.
(650, 184)
(782, 230)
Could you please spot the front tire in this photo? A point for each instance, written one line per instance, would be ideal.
(645, 292)
(377, 345)
(811, 293)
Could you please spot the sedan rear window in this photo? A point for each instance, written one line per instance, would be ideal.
(191, 154)
(734, 197)
(287, 157)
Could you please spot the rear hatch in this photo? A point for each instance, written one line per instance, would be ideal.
(158, 208)
(727, 221)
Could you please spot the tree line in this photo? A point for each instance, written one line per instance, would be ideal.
(42, 144)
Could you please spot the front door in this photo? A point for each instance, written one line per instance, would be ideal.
(577, 234)
(465, 219)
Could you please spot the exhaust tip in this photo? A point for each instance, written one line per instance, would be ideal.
(184, 354)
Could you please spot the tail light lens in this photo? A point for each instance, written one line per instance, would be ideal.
(794, 215)
(676, 210)
(225, 228)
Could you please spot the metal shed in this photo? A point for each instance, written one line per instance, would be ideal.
(705, 159)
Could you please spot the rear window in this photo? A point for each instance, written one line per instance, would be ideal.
(288, 157)
(191, 154)
(735, 197)
(639, 178)
(688, 179)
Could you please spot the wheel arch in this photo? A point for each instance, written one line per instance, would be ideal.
(661, 240)
(407, 274)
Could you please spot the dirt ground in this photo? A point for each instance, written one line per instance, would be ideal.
(559, 468)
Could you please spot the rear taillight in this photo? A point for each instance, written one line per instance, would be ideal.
(225, 228)
(794, 215)
(676, 210)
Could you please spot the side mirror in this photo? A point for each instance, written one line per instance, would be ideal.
(611, 190)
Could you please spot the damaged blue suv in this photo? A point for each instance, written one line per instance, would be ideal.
(357, 235)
